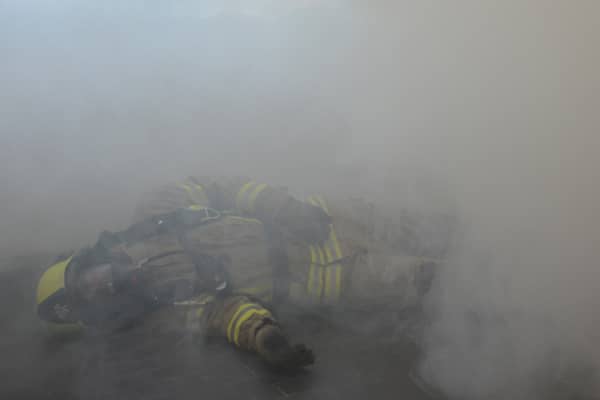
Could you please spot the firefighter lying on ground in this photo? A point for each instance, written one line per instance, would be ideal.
(220, 255)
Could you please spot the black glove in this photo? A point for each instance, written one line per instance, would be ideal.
(277, 351)
(300, 356)
(304, 221)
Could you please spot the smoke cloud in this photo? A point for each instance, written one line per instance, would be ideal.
(485, 109)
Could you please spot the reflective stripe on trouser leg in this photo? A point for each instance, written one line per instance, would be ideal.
(245, 314)
(315, 275)
(328, 272)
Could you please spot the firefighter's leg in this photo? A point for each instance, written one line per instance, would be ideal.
(250, 326)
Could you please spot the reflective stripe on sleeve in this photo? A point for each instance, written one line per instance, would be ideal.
(322, 281)
(245, 199)
(195, 193)
(245, 317)
(234, 318)
(242, 314)
(311, 273)
(322, 203)
(241, 195)
(254, 195)
(337, 267)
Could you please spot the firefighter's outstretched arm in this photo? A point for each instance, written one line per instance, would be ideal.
(250, 326)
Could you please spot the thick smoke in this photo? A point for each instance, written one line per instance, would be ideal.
(488, 109)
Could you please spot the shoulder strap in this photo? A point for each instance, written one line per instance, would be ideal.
(179, 220)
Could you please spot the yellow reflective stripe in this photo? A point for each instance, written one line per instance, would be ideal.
(314, 202)
(199, 187)
(313, 255)
(322, 203)
(199, 301)
(201, 195)
(189, 191)
(254, 195)
(318, 201)
(322, 259)
(247, 315)
(195, 193)
(241, 309)
(64, 328)
(331, 248)
(246, 197)
(52, 280)
(240, 196)
(315, 272)
(338, 268)
(328, 271)
(253, 220)
(311, 271)
(321, 256)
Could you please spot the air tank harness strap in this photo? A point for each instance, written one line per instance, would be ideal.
(176, 221)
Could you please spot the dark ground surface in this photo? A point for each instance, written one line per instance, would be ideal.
(351, 364)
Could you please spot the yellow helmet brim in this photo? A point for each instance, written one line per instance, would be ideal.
(52, 281)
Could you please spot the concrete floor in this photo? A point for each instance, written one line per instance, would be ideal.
(350, 365)
(367, 360)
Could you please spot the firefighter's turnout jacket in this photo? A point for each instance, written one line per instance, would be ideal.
(226, 262)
